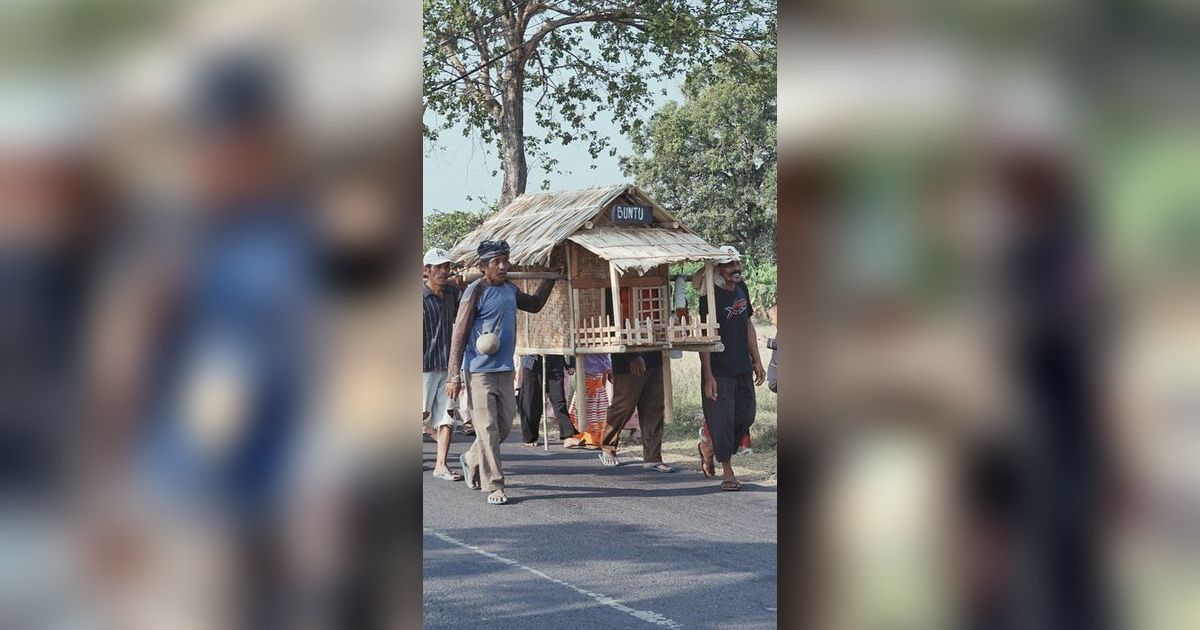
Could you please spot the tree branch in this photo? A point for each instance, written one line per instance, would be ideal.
(550, 26)
(481, 45)
(485, 99)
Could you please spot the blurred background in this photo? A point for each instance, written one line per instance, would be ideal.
(988, 285)
(988, 221)
(205, 341)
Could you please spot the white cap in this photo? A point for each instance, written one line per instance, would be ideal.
(734, 254)
(437, 256)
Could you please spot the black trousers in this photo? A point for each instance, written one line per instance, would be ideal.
(1059, 380)
(529, 402)
(731, 414)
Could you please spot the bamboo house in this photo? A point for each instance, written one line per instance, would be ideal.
(616, 245)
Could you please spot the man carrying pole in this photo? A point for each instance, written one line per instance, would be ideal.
(439, 310)
(483, 345)
(729, 377)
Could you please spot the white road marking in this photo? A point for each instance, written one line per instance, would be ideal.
(648, 616)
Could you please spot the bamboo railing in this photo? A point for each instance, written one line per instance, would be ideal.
(692, 330)
(603, 332)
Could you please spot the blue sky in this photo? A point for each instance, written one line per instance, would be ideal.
(457, 167)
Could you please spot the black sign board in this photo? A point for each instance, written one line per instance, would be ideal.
(632, 215)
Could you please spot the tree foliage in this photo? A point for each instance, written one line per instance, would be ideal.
(446, 229)
(569, 61)
(712, 160)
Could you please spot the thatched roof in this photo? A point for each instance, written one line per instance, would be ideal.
(640, 249)
(533, 224)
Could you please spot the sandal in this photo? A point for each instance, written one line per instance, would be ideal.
(466, 472)
(532, 444)
(497, 498)
(609, 459)
(448, 475)
(658, 467)
(731, 486)
(707, 466)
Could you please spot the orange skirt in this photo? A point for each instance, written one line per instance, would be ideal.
(596, 408)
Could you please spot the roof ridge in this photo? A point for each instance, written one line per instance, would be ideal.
(542, 193)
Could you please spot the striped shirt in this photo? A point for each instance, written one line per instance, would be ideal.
(438, 323)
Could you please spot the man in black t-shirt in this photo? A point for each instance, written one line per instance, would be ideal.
(729, 377)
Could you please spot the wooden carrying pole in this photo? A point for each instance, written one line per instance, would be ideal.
(518, 275)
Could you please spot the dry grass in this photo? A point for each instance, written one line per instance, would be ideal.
(680, 436)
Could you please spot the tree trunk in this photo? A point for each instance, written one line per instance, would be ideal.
(512, 135)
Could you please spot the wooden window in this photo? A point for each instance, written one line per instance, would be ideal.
(651, 303)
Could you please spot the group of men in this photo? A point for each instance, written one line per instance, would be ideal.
(469, 345)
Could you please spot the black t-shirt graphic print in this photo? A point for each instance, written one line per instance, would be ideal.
(733, 311)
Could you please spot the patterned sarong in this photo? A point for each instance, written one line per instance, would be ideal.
(597, 407)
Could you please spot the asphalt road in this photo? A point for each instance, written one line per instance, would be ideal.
(582, 546)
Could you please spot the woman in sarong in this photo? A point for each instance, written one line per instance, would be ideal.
(597, 373)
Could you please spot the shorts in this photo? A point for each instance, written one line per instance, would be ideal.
(434, 400)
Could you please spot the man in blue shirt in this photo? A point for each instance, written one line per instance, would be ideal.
(219, 383)
(489, 311)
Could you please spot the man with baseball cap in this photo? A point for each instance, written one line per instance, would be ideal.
(729, 377)
(483, 345)
(440, 308)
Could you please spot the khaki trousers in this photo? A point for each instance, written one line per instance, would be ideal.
(493, 404)
(646, 395)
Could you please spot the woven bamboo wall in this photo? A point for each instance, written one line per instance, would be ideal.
(550, 328)
(591, 303)
(590, 271)
(590, 266)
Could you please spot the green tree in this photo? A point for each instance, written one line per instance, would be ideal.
(712, 160)
(486, 61)
(446, 229)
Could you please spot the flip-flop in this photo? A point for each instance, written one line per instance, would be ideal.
(731, 486)
(658, 467)
(609, 460)
(497, 498)
(466, 473)
(448, 475)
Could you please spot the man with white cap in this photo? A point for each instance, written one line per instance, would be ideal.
(440, 308)
(729, 377)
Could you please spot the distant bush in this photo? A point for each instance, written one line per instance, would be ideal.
(761, 280)
(446, 229)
